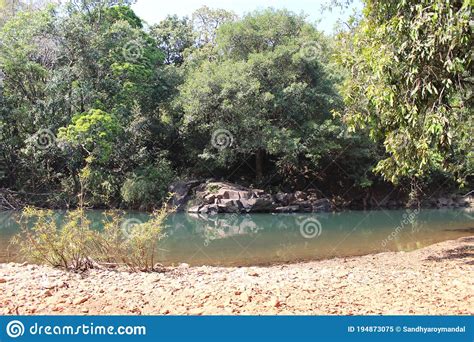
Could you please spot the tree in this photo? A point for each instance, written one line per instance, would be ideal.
(264, 82)
(206, 22)
(59, 71)
(174, 36)
(9, 8)
(410, 84)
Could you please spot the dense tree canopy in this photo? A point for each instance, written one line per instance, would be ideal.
(95, 103)
(410, 84)
(262, 91)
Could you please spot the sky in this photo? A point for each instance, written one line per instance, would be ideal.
(152, 11)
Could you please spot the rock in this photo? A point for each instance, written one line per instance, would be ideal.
(180, 191)
(232, 194)
(183, 265)
(227, 194)
(209, 198)
(276, 303)
(288, 209)
(300, 196)
(284, 198)
(229, 206)
(257, 192)
(209, 209)
(2, 280)
(80, 300)
(222, 197)
(194, 209)
(258, 205)
(305, 206)
(442, 202)
(463, 201)
(322, 205)
(46, 293)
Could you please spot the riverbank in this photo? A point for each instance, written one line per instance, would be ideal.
(212, 197)
(436, 280)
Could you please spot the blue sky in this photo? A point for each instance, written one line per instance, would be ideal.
(152, 11)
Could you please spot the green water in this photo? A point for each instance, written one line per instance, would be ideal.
(256, 239)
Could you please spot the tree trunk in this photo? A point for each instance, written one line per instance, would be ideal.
(259, 163)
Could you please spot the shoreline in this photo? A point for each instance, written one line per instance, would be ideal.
(212, 197)
(437, 279)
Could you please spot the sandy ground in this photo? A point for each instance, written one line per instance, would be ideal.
(438, 279)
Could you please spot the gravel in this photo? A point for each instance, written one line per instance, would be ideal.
(436, 280)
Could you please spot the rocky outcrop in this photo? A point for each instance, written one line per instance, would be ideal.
(224, 197)
(180, 191)
(214, 197)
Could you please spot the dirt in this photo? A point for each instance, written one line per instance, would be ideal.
(436, 280)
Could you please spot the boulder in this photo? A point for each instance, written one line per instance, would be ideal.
(209, 198)
(300, 196)
(305, 206)
(194, 209)
(321, 205)
(180, 191)
(222, 197)
(284, 198)
(210, 209)
(258, 205)
(232, 194)
(288, 209)
(229, 206)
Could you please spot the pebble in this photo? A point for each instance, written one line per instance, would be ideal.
(276, 302)
(318, 287)
(80, 300)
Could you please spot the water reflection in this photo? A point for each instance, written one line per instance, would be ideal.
(234, 239)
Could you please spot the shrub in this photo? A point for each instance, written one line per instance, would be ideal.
(76, 246)
(70, 247)
(132, 243)
(147, 187)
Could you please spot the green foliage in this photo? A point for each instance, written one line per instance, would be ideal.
(132, 245)
(95, 131)
(70, 247)
(147, 187)
(206, 22)
(128, 106)
(174, 36)
(76, 246)
(262, 31)
(122, 13)
(263, 94)
(410, 83)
